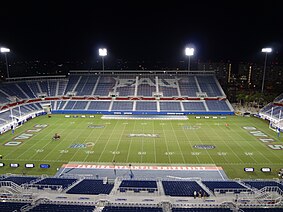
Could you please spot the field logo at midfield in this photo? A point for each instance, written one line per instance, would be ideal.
(82, 146)
(202, 146)
(144, 135)
(263, 138)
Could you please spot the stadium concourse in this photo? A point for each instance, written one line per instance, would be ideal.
(129, 187)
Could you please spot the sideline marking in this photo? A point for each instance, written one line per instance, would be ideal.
(179, 168)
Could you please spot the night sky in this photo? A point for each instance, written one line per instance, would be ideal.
(140, 30)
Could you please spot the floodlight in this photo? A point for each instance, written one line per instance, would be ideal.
(266, 50)
(4, 50)
(102, 52)
(189, 51)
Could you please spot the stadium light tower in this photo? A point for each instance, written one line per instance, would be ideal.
(102, 53)
(266, 51)
(5, 51)
(189, 52)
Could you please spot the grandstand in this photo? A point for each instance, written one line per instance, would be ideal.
(88, 180)
(274, 113)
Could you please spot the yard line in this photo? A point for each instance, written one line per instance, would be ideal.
(63, 142)
(205, 149)
(107, 141)
(220, 138)
(190, 143)
(165, 139)
(78, 149)
(154, 151)
(127, 160)
(178, 143)
(248, 143)
(35, 143)
(96, 141)
(121, 136)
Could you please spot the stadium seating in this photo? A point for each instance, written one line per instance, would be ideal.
(138, 185)
(144, 195)
(63, 207)
(261, 184)
(146, 106)
(20, 180)
(122, 105)
(182, 188)
(200, 209)
(11, 206)
(131, 209)
(225, 186)
(126, 85)
(89, 186)
(53, 183)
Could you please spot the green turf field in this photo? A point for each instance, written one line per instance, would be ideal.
(96, 140)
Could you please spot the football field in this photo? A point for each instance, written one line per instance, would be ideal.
(231, 142)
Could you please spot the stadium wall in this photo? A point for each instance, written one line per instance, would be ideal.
(141, 112)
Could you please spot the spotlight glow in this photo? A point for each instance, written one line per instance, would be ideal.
(102, 52)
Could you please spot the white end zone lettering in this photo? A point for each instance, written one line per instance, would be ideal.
(40, 125)
(33, 130)
(249, 128)
(263, 138)
(275, 147)
(23, 136)
(266, 140)
(13, 143)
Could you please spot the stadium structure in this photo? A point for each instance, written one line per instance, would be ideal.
(150, 95)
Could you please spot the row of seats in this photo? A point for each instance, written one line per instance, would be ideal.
(211, 105)
(87, 85)
(172, 188)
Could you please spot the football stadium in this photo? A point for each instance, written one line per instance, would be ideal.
(136, 141)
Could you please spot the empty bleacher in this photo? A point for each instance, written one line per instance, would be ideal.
(122, 105)
(261, 184)
(137, 195)
(225, 186)
(201, 209)
(63, 207)
(20, 180)
(11, 206)
(87, 92)
(146, 106)
(54, 183)
(182, 188)
(131, 209)
(138, 185)
(89, 186)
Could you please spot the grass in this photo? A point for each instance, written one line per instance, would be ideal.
(235, 147)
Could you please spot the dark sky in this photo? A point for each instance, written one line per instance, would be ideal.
(135, 30)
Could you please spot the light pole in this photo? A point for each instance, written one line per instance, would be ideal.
(102, 53)
(266, 51)
(189, 52)
(5, 51)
